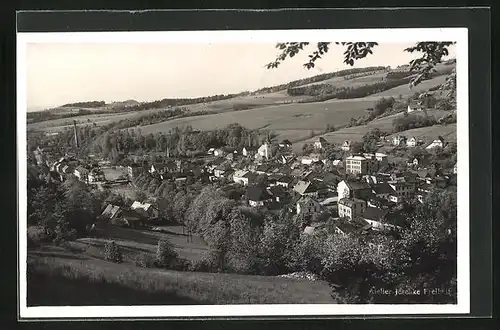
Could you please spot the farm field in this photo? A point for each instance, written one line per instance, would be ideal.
(90, 281)
(385, 125)
(290, 117)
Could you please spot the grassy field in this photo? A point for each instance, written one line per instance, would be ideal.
(70, 279)
(291, 117)
(133, 242)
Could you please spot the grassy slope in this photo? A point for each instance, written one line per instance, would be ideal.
(71, 280)
(291, 117)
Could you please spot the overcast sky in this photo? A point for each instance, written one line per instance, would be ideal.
(60, 73)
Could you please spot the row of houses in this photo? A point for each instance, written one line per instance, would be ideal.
(411, 142)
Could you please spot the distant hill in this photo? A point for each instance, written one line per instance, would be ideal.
(127, 103)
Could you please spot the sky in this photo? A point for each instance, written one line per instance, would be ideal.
(59, 73)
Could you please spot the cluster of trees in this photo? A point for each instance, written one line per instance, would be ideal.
(63, 210)
(401, 74)
(351, 92)
(363, 74)
(411, 121)
(88, 104)
(318, 78)
(246, 240)
(111, 141)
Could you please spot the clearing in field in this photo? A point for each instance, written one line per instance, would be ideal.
(290, 117)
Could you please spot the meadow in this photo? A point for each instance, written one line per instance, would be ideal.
(72, 279)
(298, 118)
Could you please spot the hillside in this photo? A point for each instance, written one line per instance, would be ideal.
(385, 125)
(276, 110)
(63, 278)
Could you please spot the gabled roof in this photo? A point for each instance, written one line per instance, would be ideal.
(321, 140)
(375, 214)
(357, 185)
(306, 200)
(110, 211)
(309, 230)
(383, 188)
(350, 202)
(257, 194)
(286, 142)
(240, 173)
(304, 187)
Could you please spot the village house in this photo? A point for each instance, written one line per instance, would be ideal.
(320, 143)
(244, 177)
(345, 228)
(351, 207)
(219, 152)
(310, 159)
(399, 140)
(403, 190)
(284, 181)
(249, 151)
(306, 188)
(383, 190)
(109, 213)
(129, 218)
(264, 151)
(346, 146)
(353, 189)
(414, 107)
(278, 194)
(285, 144)
(134, 170)
(306, 205)
(257, 196)
(82, 174)
(211, 151)
(375, 217)
(337, 163)
(96, 175)
(147, 209)
(455, 168)
(412, 142)
(423, 191)
(360, 165)
(382, 159)
(437, 143)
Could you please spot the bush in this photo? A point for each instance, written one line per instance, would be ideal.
(36, 236)
(208, 263)
(145, 260)
(112, 252)
(166, 256)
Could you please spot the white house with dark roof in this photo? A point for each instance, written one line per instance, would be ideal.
(399, 140)
(258, 196)
(306, 188)
(320, 143)
(146, 209)
(265, 151)
(350, 189)
(351, 207)
(437, 143)
(412, 142)
(346, 146)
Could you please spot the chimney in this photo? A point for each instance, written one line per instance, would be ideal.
(76, 134)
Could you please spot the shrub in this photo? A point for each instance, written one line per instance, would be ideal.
(112, 252)
(165, 254)
(36, 236)
(145, 260)
(208, 263)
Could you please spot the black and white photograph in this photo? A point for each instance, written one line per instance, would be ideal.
(237, 173)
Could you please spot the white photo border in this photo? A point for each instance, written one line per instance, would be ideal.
(459, 35)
